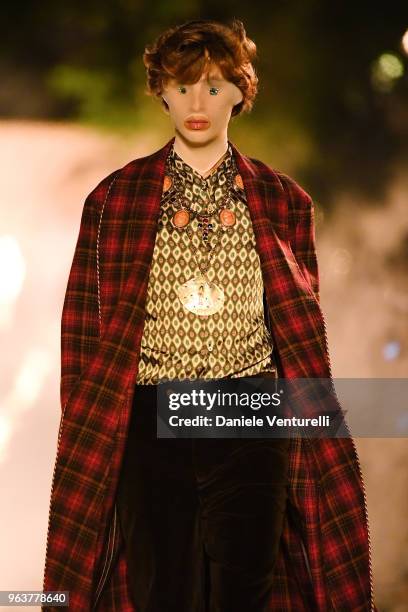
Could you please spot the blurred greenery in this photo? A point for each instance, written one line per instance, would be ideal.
(332, 102)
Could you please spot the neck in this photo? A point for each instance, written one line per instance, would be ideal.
(203, 157)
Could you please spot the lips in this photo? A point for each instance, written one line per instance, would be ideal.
(197, 124)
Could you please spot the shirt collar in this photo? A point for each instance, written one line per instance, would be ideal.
(190, 175)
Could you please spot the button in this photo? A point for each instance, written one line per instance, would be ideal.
(210, 346)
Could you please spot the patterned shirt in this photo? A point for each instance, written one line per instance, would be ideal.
(234, 341)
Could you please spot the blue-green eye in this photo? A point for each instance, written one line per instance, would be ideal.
(213, 90)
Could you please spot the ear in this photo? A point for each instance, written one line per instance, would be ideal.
(240, 97)
(165, 108)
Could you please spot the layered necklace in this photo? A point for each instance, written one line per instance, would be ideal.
(199, 295)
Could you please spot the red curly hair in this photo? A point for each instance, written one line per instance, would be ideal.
(186, 51)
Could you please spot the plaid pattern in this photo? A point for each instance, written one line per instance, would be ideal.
(323, 561)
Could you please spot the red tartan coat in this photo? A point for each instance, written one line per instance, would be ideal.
(324, 555)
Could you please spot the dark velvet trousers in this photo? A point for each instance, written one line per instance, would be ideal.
(201, 518)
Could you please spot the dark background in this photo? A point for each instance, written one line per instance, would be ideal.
(323, 99)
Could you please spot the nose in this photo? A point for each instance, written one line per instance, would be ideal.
(197, 98)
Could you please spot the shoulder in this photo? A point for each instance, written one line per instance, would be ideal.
(98, 195)
(296, 195)
(145, 167)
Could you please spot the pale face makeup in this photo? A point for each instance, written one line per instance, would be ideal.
(200, 112)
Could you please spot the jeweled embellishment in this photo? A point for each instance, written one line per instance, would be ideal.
(227, 217)
(181, 218)
(167, 183)
(239, 181)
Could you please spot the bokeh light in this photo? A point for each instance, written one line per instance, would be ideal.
(12, 275)
(391, 350)
(387, 69)
(404, 42)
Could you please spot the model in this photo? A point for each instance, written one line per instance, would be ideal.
(197, 261)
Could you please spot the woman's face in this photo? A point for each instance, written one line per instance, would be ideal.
(210, 99)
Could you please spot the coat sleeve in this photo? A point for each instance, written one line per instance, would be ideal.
(80, 312)
(302, 236)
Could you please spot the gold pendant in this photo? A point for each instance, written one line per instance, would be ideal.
(200, 296)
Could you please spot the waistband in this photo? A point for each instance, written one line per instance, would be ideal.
(268, 374)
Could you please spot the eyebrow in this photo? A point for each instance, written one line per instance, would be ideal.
(211, 78)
